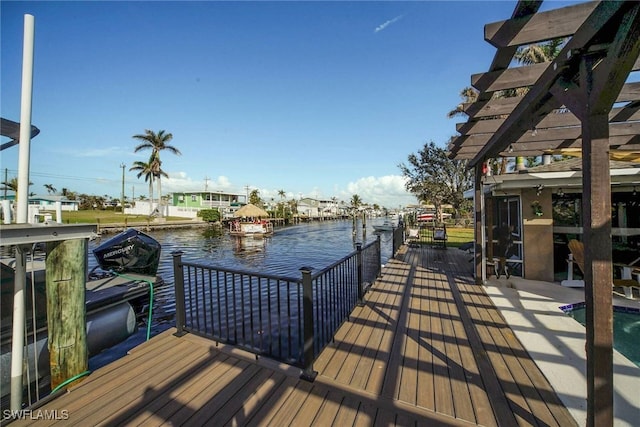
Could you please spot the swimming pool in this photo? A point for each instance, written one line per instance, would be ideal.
(626, 328)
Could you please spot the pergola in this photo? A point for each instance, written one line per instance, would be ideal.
(582, 99)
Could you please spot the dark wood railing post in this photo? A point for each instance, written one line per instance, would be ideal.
(178, 275)
(359, 270)
(393, 243)
(379, 249)
(308, 373)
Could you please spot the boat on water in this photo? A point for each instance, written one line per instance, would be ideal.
(257, 228)
(387, 225)
(117, 298)
(250, 221)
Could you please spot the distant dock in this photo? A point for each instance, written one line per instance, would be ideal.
(150, 225)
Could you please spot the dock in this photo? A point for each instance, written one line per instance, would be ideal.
(427, 347)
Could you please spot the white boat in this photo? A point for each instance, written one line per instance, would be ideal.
(385, 226)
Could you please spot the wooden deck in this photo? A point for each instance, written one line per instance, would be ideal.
(427, 348)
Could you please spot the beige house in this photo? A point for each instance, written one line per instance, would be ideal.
(543, 207)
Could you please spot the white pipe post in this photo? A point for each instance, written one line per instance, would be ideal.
(59, 212)
(22, 196)
(25, 120)
(17, 338)
(6, 211)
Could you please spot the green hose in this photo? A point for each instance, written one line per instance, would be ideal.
(70, 380)
(85, 373)
(136, 279)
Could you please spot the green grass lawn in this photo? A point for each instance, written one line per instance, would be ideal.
(455, 236)
(105, 217)
(458, 236)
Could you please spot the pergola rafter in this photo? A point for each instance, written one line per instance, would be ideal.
(569, 103)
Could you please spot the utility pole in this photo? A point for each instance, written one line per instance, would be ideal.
(206, 183)
(122, 194)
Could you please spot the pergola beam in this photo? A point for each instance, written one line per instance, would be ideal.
(538, 102)
(552, 24)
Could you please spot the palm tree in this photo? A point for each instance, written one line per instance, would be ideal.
(50, 188)
(468, 95)
(282, 195)
(157, 142)
(356, 201)
(12, 185)
(146, 170)
(539, 52)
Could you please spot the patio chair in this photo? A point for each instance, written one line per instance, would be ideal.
(440, 236)
(577, 251)
(413, 237)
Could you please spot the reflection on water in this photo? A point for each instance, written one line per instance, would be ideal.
(316, 244)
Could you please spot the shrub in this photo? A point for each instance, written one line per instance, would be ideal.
(209, 215)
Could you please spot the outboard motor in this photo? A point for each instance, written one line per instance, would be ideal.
(130, 251)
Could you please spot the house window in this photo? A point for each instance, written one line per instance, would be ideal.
(194, 198)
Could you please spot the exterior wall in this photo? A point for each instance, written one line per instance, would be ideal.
(144, 207)
(537, 235)
(313, 208)
(183, 212)
(188, 204)
(199, 200)
(50, 205)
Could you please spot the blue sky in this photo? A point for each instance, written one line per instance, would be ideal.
(319, 99)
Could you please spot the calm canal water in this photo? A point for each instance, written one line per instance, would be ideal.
(315, 244)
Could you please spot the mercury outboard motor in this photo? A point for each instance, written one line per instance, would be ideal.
(129, 252)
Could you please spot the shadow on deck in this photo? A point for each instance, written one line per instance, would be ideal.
(428, 347)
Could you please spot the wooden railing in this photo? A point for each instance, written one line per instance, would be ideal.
(289, 319)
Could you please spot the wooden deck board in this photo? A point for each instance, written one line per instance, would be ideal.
(331, 360)
(270, 406)
(104, 391)
(383, 367)
(347, 369)
(459, 390)
(133, 394)
(425, 381)
(291, 405)
(426, 348)
(215, 399)
(158, 401)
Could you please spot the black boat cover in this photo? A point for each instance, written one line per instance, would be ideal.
(129, 252)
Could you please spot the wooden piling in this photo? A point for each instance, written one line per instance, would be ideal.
(66, 272)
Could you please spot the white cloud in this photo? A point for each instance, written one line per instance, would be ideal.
(387, 23)
(387, 191)
(179, 181)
